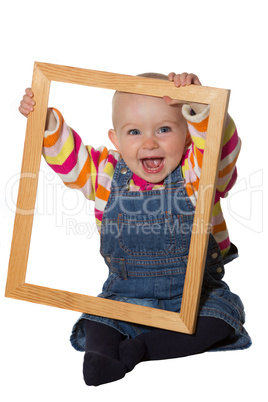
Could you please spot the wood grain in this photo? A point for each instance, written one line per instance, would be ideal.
(28, 183)
(129, 83)
(16, 287)
(203, 212)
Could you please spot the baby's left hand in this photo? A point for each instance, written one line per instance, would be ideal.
(183, 80)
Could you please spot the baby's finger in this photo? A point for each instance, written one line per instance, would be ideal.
(176, 78)
(179, 79)
(171, 101)
(28, 100)
(26, 106)
(171, 76)
(29, 92)
(192, 79)
(182, 79)
(23, 111)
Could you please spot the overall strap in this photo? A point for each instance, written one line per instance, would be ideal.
(121, 177)
(175, 178)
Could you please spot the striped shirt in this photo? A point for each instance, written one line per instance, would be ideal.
(91, 170)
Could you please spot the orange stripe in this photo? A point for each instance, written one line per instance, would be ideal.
(83, 176)
(202, 126)
(192, 187)
(220, 227)
(189, 189)
(102, 193)
(199, 157)
(103, 155)
(228, 168)
(195, 184)
(51, 140)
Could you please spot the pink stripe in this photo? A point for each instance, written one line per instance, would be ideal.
(112, 160)
(95, 155)
(185, 157)
(195, 133)
(217, 197)
(190, 176)
(77, 141)
(230, 145)
(98, 214)
(224, 244)
(71, 161)
(216, 220)
(225, 179)
(228, 187)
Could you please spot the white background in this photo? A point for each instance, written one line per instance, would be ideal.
(225, 44)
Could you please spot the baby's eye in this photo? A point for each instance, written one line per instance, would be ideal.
(134, 132)
(164, 130)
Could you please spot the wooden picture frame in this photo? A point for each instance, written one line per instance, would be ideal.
(16, 287)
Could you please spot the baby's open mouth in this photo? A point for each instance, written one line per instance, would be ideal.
(152, 165)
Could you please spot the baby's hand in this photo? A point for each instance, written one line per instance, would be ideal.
(183, 79)
(27, 106)
(27, 103)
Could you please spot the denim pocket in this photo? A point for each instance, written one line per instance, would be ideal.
(145, 235)
(157, 235)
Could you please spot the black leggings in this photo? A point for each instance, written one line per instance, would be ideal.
(109, 355)
(159, 343)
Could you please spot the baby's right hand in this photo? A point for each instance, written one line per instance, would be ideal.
(27, 103)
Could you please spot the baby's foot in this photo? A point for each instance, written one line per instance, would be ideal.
(131, 352)
(100, 369)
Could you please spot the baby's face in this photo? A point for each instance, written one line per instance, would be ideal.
(149, 134)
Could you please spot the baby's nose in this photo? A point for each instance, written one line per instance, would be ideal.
(150, 142)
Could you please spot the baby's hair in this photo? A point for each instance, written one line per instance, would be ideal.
(157, 76)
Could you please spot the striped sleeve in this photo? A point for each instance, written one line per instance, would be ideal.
(79, 166)
(227, 170)
(192, 164)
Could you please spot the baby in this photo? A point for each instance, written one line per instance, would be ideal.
(145, 195)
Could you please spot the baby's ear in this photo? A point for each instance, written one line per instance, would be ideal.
(188, 141)
(114, 139)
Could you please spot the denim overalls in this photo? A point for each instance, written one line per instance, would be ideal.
(145, 238)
